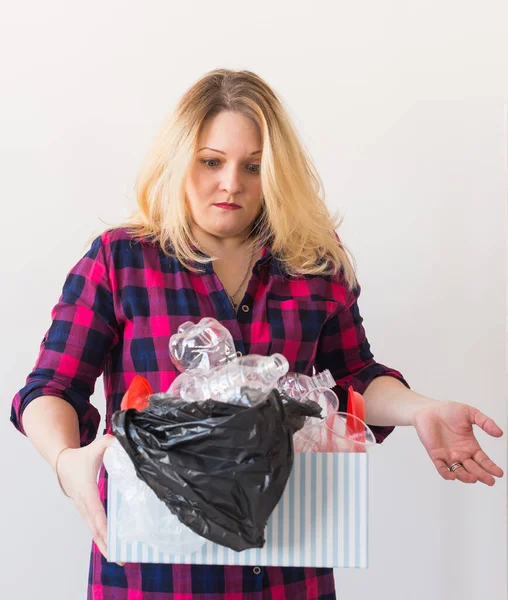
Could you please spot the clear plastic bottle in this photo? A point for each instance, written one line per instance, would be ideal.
(229, 382)
(297, 385)
(201, 346)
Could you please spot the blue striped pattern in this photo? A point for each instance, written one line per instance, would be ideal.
(320, 521)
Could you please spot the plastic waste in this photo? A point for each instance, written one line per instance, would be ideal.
(217, 449)
(337, 431)
(220, 468)
(297, 385)
(212, 370)
(137, 395)
(230, 382)
(142, 517)
(201, 346)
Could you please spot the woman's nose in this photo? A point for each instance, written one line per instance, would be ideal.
(231, 180)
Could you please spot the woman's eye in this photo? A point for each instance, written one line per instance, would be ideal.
(207, 162)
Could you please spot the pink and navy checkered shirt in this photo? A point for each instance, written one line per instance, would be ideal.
(119, 305)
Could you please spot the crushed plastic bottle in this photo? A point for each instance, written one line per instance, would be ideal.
(228, 383)
(336, 431)
(202, 346)
(297, 385)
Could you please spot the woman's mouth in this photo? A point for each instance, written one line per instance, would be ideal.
(227, 206)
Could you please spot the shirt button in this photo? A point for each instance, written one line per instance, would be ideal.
(245, 308)
(256, 570)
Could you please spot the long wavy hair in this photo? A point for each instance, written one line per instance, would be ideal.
(295, 222)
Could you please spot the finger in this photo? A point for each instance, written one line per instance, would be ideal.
(443, 470)
(486, 423)
(100, 445)
(96, 512)
(463, 474)
(98, 538)
(107, 439)
(488, 465)
(92, 511)
(100, 541)
(101, 544)
(103, 444)
(474, 468)
(97, 449)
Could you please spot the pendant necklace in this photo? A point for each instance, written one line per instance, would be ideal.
(232, 296)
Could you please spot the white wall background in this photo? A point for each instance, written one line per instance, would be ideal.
(401, 104)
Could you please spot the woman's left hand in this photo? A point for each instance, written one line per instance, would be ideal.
(446, 431)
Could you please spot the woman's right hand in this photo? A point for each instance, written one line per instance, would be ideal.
(77, 470)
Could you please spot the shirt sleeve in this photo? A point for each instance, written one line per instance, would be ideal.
(343, 348)
(74, 350)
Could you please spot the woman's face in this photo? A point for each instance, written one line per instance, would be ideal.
(223, 185)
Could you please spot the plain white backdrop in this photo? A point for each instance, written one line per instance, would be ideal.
(402, 106)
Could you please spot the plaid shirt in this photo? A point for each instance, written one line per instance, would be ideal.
(120, 304)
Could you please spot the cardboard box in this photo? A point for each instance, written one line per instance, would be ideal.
(320, 521)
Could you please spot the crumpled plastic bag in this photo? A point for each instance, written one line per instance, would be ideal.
(142, 517)
(220, 468)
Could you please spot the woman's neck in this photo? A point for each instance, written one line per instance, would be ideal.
(222, 247)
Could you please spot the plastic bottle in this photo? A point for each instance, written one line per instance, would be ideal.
(227, 383)
(201, 346)
(297, 385)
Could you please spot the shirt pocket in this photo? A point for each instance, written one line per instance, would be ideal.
(295, 327)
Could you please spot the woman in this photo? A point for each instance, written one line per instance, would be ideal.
(231, 224)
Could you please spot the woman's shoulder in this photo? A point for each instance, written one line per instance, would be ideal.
(124, 235)
(123, 248)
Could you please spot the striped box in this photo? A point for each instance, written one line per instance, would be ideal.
(320, 521)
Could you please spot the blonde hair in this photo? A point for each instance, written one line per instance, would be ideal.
(294, 222)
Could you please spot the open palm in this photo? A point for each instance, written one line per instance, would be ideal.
(446, 431)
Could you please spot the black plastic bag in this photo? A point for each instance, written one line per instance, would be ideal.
(220, 468)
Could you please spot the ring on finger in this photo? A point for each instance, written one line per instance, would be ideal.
(456, 466)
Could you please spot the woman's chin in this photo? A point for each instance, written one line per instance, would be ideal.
(224, 230)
